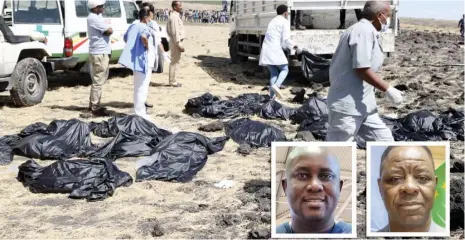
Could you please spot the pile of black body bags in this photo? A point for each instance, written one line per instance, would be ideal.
(312, 116)
(86, 170)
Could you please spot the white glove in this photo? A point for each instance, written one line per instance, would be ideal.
(298, 50)
(167, 57)
(394, 95)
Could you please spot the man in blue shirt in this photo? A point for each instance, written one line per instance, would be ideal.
(312, 186)
(99, 53)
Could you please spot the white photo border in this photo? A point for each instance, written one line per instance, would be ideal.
(273, 189)
(369, 233)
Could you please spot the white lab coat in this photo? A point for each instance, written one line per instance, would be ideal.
(277, 37)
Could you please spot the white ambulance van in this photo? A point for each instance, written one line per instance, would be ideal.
(64, 23)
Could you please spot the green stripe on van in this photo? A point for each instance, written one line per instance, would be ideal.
(83, 57)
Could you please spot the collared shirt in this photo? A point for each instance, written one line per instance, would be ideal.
(432, 228)
(99, 43)
(135, 56)
(175, 27)
(359, 47)
(339, 227)
(277, 37)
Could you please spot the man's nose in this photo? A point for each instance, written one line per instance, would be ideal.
(409, 186)
(314, 185)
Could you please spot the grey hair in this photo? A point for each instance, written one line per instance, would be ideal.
(307, 151)
(372, 8)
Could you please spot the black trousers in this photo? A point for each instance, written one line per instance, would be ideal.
(296, 19)
(342, 16)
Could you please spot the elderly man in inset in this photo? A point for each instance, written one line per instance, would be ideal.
(407, 185)
(312, 186)
(352, 75)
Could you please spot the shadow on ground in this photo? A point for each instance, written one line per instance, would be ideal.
(249, 73)
(84, 111)
(6, 101)
(77, 79)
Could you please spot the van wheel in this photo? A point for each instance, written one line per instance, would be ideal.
(29, 82)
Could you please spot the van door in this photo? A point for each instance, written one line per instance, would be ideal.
(42, 16)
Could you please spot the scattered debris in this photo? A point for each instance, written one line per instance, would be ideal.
(225, 184)
(212, 127)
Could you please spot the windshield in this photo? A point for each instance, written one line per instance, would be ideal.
(36, 12)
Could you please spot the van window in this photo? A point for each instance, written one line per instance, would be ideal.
(36, 12)
(112, 9)
(131, 11)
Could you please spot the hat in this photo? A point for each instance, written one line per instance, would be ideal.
(94, 3)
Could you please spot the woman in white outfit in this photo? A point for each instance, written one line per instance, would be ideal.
(139, 54)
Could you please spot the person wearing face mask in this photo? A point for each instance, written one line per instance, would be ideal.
(313, 186)
(156, 31)
(407, 185)
(352, 75)
(277, 37)
(139, 56)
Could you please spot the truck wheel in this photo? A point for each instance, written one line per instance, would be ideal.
(29, 82)
(233, 52)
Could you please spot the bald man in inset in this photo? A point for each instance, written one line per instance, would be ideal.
(407, 185)
(312, 186)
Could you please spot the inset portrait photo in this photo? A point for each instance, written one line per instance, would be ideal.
(408, 189)
(313, 188)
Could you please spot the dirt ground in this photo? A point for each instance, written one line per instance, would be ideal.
(198, 209)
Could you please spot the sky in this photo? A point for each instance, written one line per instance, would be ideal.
(446, 10)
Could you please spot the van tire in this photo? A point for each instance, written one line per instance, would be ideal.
(29, 81)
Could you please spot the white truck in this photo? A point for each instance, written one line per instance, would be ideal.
(249, 21)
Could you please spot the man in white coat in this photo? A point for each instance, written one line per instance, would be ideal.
(277, 37)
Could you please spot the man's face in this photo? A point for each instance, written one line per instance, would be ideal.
(382, 17)
(407, 185)
(99, 9)
(312, 188)
(178, 7)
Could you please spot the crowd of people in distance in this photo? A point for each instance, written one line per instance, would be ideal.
(194, 16)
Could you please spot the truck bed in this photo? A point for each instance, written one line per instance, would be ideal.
(321, 17)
